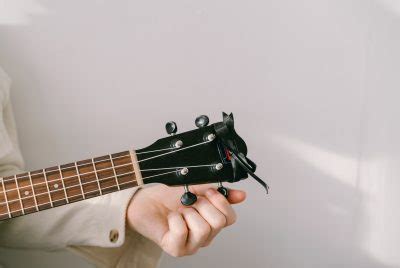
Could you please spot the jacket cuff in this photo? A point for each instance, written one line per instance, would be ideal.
(136, 252)
(93, 222)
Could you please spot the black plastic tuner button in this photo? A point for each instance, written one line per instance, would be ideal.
(222, 190)
(188, 198)
(171, 128)
(202, 121)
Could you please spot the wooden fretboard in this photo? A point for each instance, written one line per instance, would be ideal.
(51, 187)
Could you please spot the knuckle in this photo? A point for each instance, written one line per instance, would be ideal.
(232, 219)
(188, 210)
(204, 231)
(220, 222)
(207, 243)
(175, 252)
(181, 233)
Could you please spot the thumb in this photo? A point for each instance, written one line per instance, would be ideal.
(236, 196)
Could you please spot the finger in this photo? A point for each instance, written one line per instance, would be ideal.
(199, 230)
(174, 241)
(234, 196)
(212, 215)
(221, 203)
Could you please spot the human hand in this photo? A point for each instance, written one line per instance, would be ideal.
(157, 213)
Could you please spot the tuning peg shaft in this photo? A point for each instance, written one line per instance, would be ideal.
(202, 121)
(188, 198)
(224, 191)
(171, 128)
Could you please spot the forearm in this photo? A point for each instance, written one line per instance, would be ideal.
(97, 222)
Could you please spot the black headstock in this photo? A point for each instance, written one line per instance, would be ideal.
(209, 154)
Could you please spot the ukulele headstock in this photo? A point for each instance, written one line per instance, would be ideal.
(209, 154)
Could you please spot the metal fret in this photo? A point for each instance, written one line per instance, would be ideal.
(19, 195)
(48, 189)
(5, 196)
(33, 191)
(80, 181)
(97, 177)
(115, 173)
(62, 181)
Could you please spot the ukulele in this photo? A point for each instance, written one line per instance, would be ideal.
(210, 154)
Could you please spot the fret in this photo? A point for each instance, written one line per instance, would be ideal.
(24, 187)
(48, 189)
(12, 194)
(90, 183)
(5, 198)
(55, 186)
(33, 191)
(19, 195)
(97, 177)
(80, 181)
(63, 184)
(71, 182)
(124, 170)
(41, 190)
(105, 174)
(115, 174)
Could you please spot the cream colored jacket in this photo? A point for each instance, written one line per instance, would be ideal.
(94, 229)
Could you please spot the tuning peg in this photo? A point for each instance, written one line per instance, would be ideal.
(188, 198)
(224, 191)
(171, 128)
(202, 121)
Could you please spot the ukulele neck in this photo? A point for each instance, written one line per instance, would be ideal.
(38, 190)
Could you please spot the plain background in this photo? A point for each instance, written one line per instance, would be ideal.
(313, 85)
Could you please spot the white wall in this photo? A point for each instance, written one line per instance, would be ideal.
(313, 85)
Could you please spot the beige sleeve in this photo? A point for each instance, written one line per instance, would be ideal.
(94, 228)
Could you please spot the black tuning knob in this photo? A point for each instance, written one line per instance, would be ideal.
(171, 127)
(202, 121)
(188, 198)
(224, 191)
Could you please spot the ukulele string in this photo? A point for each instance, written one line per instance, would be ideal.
(98, 180)
(95, 181)
(49, 203)
(181, 149)
(105, 160)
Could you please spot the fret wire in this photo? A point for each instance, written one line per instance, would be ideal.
(48, 189)
(33, 191)
(132, 172)
(79, 178)
(19, 195)
(95, 190)
(5, 197)
(81, 165)
(76, 195)
(69, 177)
(115, 173)
(76, 185)
(97, 177)
(62, 181)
